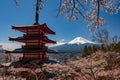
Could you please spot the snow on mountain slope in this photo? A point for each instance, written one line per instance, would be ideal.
(80, 40)
(75, 45)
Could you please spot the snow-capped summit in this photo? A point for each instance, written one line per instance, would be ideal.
(76, 45)
(79, 40)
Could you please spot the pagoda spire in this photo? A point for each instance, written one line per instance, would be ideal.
(37, 13)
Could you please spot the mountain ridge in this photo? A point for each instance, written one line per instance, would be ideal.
(79, 40)
(75, 45)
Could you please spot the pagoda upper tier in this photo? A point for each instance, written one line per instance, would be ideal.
(42, 29)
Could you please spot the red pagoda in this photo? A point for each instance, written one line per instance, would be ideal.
(35, 40)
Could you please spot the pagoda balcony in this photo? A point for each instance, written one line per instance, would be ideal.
(43, 39)
(32, 58)
(24, 40)
(34, 46)
(33, 35)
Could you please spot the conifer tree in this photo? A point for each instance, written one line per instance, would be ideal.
(94, 48)
(85, 52)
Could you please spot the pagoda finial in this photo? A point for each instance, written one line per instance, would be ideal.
(37, 13)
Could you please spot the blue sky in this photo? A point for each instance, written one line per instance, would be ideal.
(11, 14)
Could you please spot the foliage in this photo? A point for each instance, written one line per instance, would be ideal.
(92, 67)
(88, 50)
(85, 52)
(116, 47)
(108, 43)
(113, 60)
(113, 47)
(97, 66)
(89, 10)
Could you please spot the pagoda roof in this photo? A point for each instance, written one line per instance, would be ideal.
(42, 27)
(51, 51)
(24, 39)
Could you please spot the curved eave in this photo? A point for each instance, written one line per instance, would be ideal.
(24, 51)
(49, 52)
(48, 30)
(42, 27)
(52, 52)
(8, 52)
(23, 40)
(50, 41)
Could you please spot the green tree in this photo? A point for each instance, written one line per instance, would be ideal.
(87, 51)
(117, 47)
(90, 50)
(103, 48)
(94, 48)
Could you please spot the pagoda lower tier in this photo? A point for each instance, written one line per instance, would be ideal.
(32, 50)
(33, 54)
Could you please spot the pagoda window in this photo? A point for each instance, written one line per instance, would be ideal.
(32, 44)
(41, 42)
(40, 56)
(32, 41)
(31, 56)
(33, 32)
(41, 31)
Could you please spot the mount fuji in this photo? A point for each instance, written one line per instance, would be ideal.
(73, 46)
(80, 40)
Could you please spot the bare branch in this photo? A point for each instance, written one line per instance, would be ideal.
(98, 12)
(59, 8)
(16, 2)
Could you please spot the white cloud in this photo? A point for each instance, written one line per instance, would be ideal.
(10, 46)
(60, 42)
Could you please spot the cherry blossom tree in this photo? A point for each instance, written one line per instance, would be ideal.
(88, 10)
(85, 10)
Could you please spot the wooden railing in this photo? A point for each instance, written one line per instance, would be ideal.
(24, 58)
(34, 46)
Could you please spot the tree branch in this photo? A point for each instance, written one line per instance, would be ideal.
(59, 8)
(98, 12)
